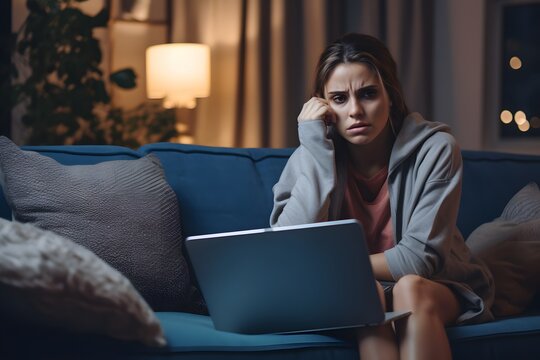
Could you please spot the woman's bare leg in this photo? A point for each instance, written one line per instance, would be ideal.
(422, 335)
(378, 342)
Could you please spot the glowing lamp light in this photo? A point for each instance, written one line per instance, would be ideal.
(178, 73)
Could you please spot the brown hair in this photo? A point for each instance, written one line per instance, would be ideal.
(360, 48)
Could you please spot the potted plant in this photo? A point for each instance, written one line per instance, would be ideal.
(65, 95)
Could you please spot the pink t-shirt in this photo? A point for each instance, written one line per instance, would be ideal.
(367, 201)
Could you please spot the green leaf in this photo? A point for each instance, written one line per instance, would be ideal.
(124, 78)
(35, 6)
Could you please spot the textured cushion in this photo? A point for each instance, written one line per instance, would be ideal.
(524, 206)
(46, 278)
(510, 246)
(122, 210)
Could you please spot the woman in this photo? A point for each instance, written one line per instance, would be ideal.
(363, 156)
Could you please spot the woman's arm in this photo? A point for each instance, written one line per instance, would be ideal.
(302, 194)
(381, 271)
(428, 211)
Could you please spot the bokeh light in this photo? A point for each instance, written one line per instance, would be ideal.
(525, 126)
(535, 122)
(520, 117)
(515, 63)
(506, 116)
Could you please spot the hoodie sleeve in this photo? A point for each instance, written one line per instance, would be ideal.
(302, 194)
(430, 207)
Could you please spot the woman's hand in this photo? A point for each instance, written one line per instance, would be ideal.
(317, 109)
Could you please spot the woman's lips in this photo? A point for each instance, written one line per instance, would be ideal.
(358, 128)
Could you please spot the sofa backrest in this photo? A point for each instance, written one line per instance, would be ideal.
(490, 180)
(221, 189)
(227, 189)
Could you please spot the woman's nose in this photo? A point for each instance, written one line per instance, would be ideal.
(355, 110)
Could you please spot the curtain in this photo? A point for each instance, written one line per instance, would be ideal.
(264, 54)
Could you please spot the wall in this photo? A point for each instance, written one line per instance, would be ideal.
(459, 72)
(459, 69)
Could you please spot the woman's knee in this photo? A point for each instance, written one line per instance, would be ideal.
(413, 293)
(422, 296)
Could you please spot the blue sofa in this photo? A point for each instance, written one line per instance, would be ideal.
(226, 189)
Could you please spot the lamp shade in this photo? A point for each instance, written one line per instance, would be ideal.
(178, 73)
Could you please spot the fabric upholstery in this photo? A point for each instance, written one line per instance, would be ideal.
(48, 279)
(510, 246)
(122, 210)
(490, 180)
(231, 187)
(226, 189)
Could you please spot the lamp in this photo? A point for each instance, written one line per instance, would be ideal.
(178, 73)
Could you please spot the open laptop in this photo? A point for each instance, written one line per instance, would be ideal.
(288, 279)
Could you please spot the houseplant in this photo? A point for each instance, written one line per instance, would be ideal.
(65, 94)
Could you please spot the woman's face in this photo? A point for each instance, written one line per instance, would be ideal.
(361, 104)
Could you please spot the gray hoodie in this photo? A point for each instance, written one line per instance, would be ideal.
(424, 184)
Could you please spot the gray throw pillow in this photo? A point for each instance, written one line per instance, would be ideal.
(510, 247)
(47, 279)
(123, 210)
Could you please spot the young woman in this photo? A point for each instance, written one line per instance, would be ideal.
(362, 155)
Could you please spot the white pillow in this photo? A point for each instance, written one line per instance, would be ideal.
(49, 279)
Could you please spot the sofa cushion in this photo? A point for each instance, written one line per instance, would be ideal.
(510, 246)
(221, 189)
(523, 206)
(46, 279)
(123, 210)
(75, 155)
(506, 338)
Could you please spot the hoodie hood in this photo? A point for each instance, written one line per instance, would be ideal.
(414, 131)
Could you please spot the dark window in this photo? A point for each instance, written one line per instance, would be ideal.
(520, 85)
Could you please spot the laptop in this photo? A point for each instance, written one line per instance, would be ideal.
(288, 279)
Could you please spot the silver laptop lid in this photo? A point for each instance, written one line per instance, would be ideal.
(287, 279)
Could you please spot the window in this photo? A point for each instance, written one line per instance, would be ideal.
(513, 75)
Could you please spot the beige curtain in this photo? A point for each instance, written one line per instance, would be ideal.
(264, 54)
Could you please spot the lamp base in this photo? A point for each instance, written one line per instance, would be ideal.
(185, 126)
(179, 102)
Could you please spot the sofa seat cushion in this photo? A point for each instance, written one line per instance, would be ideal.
(191, 336)
(505, 338)
(190, 332)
